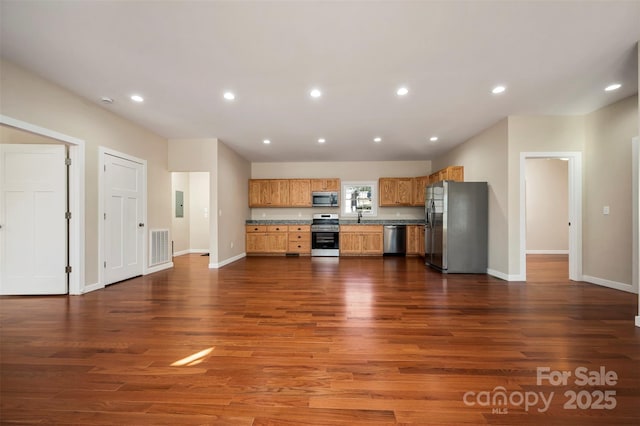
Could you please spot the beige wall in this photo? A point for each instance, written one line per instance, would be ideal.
(345, 171)
(234, 173)
(27, 97)
(484, 158)
(192, 155)
(547, 204)
(180, 226)
(607, 239)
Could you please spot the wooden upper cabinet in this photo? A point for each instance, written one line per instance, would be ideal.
(395, 192)
(300, 192)
(420, 184)
(455, 173)
(287, 192)
(268, 193)
(323, 185)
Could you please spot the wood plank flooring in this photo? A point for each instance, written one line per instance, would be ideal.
(317, 341)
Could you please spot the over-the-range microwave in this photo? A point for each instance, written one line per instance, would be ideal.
(324, 199)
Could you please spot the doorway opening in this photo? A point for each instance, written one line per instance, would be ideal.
(574, 209)
(547, 217)
(190, 215)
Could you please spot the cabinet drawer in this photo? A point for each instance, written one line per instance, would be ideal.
(277, 228)
(298, 236)
(299, 228)
(299, 247)
(256, 228)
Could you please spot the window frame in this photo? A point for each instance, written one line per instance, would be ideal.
(374, 199)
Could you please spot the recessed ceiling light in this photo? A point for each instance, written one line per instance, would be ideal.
(321, 140)
(433, 138)
(612, 87)
(137, 98)
(402, 91)
(266, 141)
(377, 139)
(315, 93)
(498, 89)
(229, 96)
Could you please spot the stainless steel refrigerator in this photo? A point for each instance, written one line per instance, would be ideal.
(456, 226)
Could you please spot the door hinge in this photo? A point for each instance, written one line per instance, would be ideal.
(67, 161)
(68, 269)
(67, 215)
(105, 216)
(105, 167)
(105, 263)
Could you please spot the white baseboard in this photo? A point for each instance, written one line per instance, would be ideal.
(611, 284)
(547, 251)
(92, 287)
(227, 261)
(189, 251)
(504, 276)
(158, 268)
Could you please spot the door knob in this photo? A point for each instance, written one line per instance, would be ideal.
(141, 225)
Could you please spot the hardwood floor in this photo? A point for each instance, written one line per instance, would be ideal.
(316, 341)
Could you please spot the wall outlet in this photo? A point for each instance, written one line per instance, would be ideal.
(231, 244)
(605, 210)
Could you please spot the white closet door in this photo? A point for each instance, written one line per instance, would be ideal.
(33, 237)
(124, 229)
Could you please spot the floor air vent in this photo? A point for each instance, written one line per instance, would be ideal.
(159, 243)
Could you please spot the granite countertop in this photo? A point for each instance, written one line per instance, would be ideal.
(382, 222)
(278, 222)
(342, 222)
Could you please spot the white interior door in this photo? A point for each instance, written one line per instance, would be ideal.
(33, 237)
(123, 219)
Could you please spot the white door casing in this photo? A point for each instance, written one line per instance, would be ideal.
(575, 211)
(123, 218)
(33, 237)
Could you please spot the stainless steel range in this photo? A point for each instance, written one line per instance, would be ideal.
(325, 235)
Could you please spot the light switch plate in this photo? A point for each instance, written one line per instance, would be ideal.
(605, 210)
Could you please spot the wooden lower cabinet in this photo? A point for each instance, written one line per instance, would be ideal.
(361, 240)
(299, 239)
(415, 240)
(278, 239)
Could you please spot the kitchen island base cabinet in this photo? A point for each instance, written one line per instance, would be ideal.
(361, 240)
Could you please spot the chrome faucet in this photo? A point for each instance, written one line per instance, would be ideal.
(359, 215)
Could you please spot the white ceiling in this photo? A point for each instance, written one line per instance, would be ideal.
(554, 57)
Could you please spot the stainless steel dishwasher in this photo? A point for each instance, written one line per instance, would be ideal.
(395, 240)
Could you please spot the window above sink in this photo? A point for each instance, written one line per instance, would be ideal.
(359, 197)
